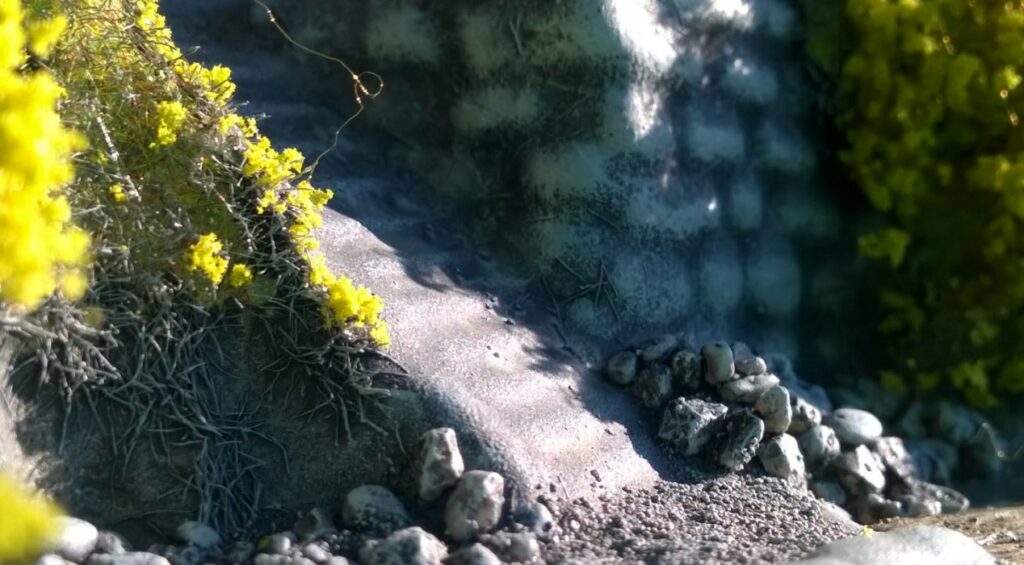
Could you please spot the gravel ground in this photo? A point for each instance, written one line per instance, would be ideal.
(729, 519)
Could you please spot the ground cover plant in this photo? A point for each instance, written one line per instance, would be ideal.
(928, 103)
(140, 216)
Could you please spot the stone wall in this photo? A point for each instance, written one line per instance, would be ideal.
(665, 147)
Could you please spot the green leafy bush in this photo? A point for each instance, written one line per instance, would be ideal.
(930, 96)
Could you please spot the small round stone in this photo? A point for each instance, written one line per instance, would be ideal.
(819, 446)
(475, 506)
(747, 389)
(653, 385)
(718, 362)
(855, 427)
(775, 410)
(685, 366)
(781, 457)
(373, 507)
(744, 431)
(621, 368)
(804, 416)
(659, 349)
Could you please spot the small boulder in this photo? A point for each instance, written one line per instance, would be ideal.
(804, 413)
(915, 507)
(745, 362)
(819, 445)
(894, 456)
(653, 385)
(128, 558)
(775, 410)
(475, 506)
(316, 552)
(781, 457)
(949, 499)
(476, 554)
(747, 390)
(859, 472)
(109, 542)
(688, 424)
(621, 368)
(536, 518)
(685, 365)
(718, 363)
(410, 546)
(374, 508)
(278, 544)
(658, 349)
(76, 540)
(313, 524)
(743, 431)
(439, 463)
(873, 507)
(518, 547)
(854, 427)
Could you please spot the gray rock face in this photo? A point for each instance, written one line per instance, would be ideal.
(659, 349)
(536, 518)
(744, 431)
(747, 389)
(130, 558)
(859, 472)
(199, 535)
(688, 424)
(685, 366)
(653, 385)
(774, 408)
(476, 554)
(805, 415)
(410, 546)
(621, 368)
(819, 445)
(718, 362)
(374, 508)
(917, 544)
(439, 463)
(854, 427)
(829, 491)
(475, 506)
(76, 540)
(894, 456)
(781, 457)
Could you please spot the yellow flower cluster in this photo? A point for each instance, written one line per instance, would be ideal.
(40, 248)
(207, 257)
(933, 92)
(240, 275)
(27, 523)
(170, 117)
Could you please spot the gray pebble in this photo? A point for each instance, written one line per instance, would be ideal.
(475, 506)
(439, 463)
(718, 362)
(316, 552)
(685, 365)
(621, 368)
(775, 410)
(744, 431)
(804, 416)
(653, 385)
(688, 424)
(76, 540)
(277, 544)
(854, 427)
(409, 546)
(781, 457)
(859, 472)
(374, 508)
(130, 558)
(819, 446)
(747, 389)
(536, 518)
(659, 349)
(475, 554)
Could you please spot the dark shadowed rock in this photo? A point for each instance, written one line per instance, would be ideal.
(688, 424)
(743, 432)
(653, 385)
(718, 362)
(747, 390)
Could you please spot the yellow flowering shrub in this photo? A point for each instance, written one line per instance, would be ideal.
(207, 257)
(170, 116)
(41, 250)
(27, 523)
(930, 91)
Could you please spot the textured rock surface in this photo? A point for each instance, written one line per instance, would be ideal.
(439, 462)
(854, 427)
(476, 505)
(411, 546)
(774, 408)
(688, 424)
(375, 508)
(744, 431)
(781, 457)
(918, 544)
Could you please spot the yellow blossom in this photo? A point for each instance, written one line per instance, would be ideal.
(239, 276)
(207, 257)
